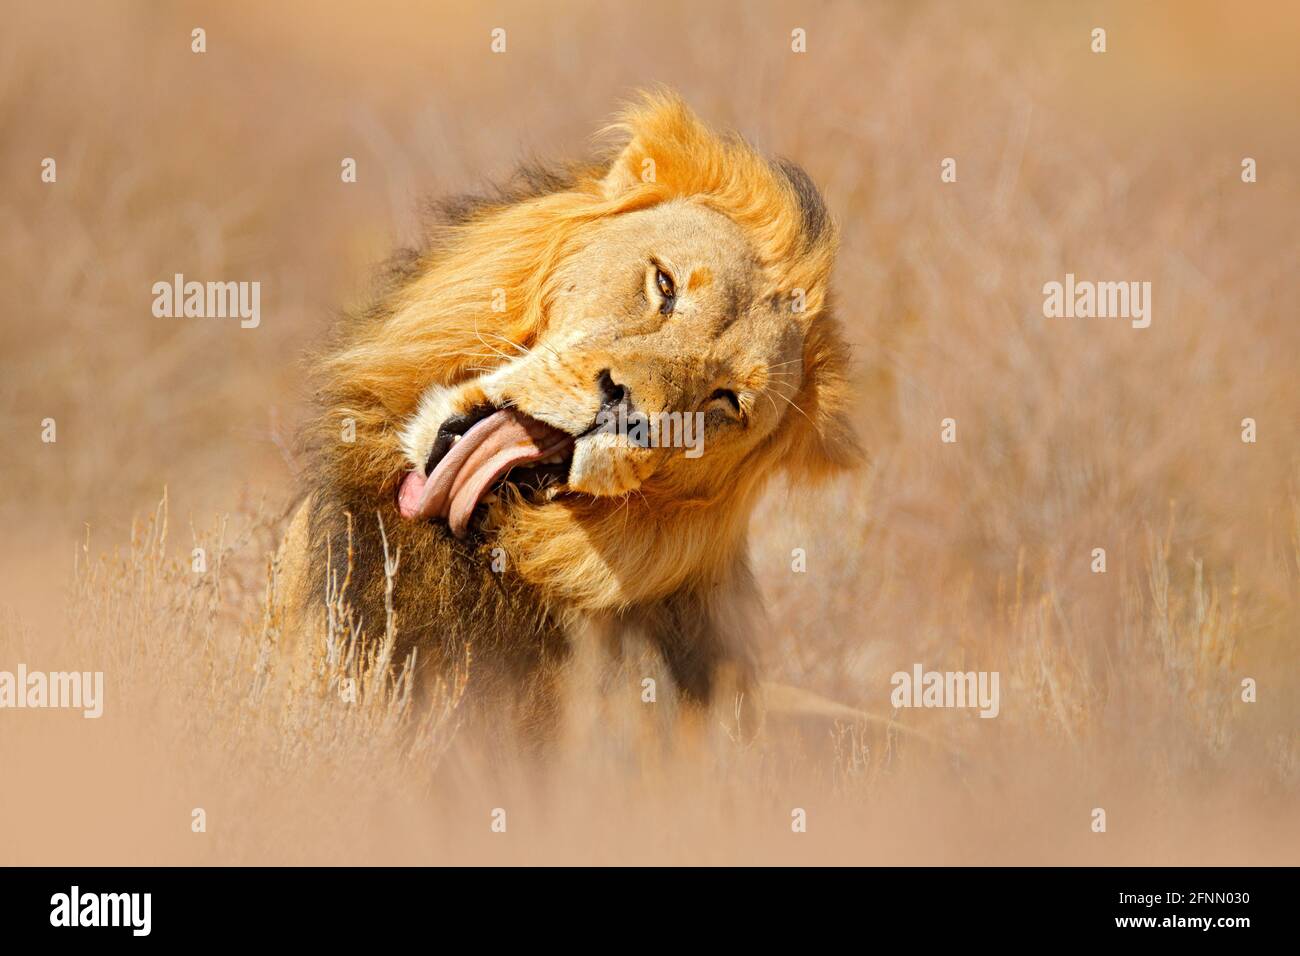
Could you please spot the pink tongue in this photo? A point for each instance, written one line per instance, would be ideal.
(486, 452)
(410, 493)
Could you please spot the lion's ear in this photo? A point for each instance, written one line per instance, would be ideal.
(825, 442)
(624, 172)
(659, 130)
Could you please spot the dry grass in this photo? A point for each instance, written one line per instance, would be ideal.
(1119, 690)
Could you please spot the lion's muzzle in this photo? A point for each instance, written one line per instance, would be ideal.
(494, 445)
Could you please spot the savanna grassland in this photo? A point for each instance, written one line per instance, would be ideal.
(1120, 690)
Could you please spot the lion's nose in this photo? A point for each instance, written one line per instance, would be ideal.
(612, 394)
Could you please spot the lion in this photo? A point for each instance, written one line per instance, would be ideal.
(683, 275)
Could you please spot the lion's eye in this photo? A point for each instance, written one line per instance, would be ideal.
(726, 395)
(666, 289)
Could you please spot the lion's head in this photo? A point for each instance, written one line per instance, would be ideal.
(600, 370)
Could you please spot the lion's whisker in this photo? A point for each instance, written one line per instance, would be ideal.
(783, 398)
(522, 348)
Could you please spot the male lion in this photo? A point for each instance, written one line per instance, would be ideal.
(687, 274)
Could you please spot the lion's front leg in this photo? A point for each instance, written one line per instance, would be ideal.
(705, 641)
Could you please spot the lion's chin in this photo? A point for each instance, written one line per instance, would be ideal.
(602, 468)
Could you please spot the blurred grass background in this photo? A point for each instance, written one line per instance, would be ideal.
(1072, 434)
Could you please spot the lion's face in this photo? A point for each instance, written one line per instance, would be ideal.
(663, 361)
(605, 368)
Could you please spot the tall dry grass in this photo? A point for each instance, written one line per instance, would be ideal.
(1119, 690)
